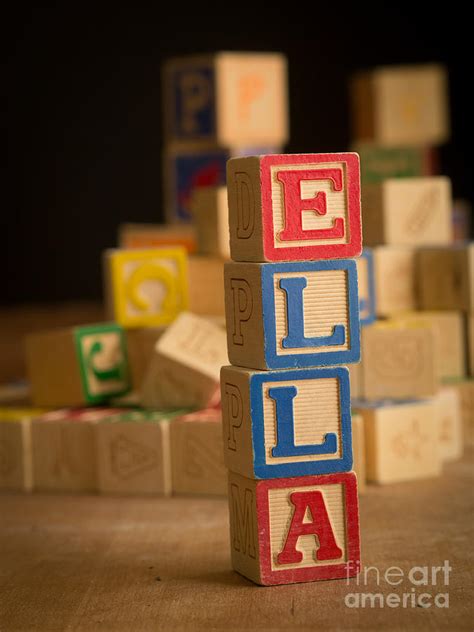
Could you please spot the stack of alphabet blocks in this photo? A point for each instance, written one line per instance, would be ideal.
(292, 316)
(416, 284)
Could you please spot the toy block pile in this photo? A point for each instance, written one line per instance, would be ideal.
(292, 319)
(412, 388)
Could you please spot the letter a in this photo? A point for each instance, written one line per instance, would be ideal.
(320, 527)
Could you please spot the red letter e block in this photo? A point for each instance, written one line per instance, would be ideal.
(290, 530)
(294, 207)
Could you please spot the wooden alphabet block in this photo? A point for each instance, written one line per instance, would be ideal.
(64, 449)
(465, 390)
(291, 530)
(401, 441)
(133, 453)
(279, 424)
(206, 286)
(145, 288)
(15, 447)
(358, 450)
(185, 368)
(401, 105)
(407, 211)
(211, 218)
(227, 98)
(378, 162)
(399, 362)
(294, 207)
(146, 236)
(282, 315)
(366, 283)
(141, 346)
(449, 338)
(470, 334)
(355, 380)
(448, 408)
(446, 278)
(395, 279)
(81, 365)
(197, 454)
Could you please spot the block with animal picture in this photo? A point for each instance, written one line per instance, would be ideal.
(401, 105)
(448, 408)
(145, 288)
(446, 277)
(286, 423)
(294, 207)
(79, 365)
(133, 452)
(211, 219)
(407, 211)
(64, 449)
(399, 362)
(290, 530)
(449, 338)
(197, 460)
(227, 98)
(401, 440)
(148, 236)
(366, 284)
(184, 370)
(379, 162)
(15, 447)
(394, 279)
(285, 315)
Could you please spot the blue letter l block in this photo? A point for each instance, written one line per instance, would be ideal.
(294, 286)
(285, 439)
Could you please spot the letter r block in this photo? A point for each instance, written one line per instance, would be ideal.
(290, 530)
(286, 423)
(285, 315)
(294, 207)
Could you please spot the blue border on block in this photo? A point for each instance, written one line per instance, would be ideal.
(262, 470)
(368, 255)
(313, 359)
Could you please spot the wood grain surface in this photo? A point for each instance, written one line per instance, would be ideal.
(98, 563)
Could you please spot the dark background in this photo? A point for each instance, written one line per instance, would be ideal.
(84, 113)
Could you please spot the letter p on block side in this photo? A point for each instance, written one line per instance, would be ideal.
(294, 207)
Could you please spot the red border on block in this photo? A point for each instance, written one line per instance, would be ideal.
(313, 252)
(307, 574)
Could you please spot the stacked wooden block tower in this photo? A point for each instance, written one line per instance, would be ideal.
(292, 316)
(218, 106)
(416, 284)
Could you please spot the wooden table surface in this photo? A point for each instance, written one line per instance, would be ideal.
(112, 563)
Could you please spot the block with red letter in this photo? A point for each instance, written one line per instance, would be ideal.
(292, 530)
(292, 314)
(294, 207)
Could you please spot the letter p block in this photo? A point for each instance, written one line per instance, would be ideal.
(294, 207)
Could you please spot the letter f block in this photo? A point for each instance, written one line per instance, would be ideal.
(292, 530)
(294, 207)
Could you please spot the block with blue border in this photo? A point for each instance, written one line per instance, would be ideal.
(295, 314)
(281, 424)
(366, 282)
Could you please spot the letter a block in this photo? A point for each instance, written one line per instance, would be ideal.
(294, 207)
(83, 365)
(286, 423)
(292, 530)
(146, 288)
(285, 315)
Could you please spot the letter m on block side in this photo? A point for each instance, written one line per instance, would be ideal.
(242, 506)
